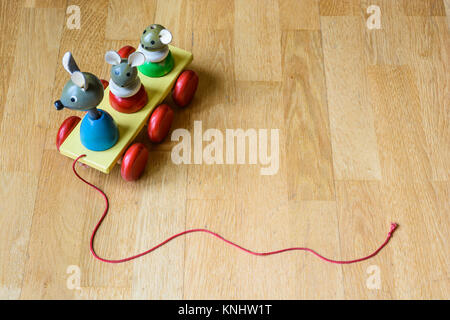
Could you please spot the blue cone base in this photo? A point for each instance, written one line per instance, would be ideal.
(99, 134)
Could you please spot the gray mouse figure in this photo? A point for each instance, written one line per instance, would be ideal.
(154, 43)
(83, 92)
(124, 80)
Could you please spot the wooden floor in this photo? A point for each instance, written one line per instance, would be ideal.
(364, 140)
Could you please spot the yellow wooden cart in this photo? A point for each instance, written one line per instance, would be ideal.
(130, 124)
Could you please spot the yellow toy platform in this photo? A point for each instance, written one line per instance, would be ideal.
(129, 124)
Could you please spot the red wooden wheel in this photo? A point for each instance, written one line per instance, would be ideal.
(134, 162)
(185, 87)
(159, 123)
(65, 129)
(124, 52)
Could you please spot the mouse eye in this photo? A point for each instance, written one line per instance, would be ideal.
(73, 99)
(152, 42)
(128, 74)
(116, 72)
(145, 31)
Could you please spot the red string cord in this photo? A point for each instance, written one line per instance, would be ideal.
(391, 231)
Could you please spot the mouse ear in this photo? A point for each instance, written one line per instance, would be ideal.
(69, 63)
(136, 59)
(80, 80)
(165, 36)
(112, 57)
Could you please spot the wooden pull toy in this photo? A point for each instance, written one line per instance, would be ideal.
(154, 45)
(119, 109)
(126, 92)
(84, 92)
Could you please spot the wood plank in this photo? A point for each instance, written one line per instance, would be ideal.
(421, 257)
(422, 47)
(339, 7)
(424, 7)
(116, 237)
(429, 58)
(390, 44)
(364, 218)
(56, 239)
(355, 154)
(15, 222)
(178, 16)
(220, 16)
(401, 143)
(5, 74)
(447, 11)
(127, 19)
(442, 191)
(34, 25)
(411, 197)
(215, 108)
(160, 214)
(255, 109)
(211, 265)
(44, 4)
(262, 200)
(257, 52)
(399, 8)
(9, 13)
(388, 8)
(313, 224)
(94, 293)
(309, 160)
(299, 14)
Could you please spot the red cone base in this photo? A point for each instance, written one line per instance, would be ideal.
(131, 104)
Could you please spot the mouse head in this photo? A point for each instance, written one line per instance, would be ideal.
(83, 92)
(155, 37)
(124, 72)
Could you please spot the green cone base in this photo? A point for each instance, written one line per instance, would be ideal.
(158, 69)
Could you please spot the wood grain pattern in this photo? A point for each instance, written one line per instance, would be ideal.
(362, 207)
(424, 7)
(126, 19)
(220, 15)
(215, 107)
(338, 7)
(257, 53)
(306, 117)
(299, 15)
(355, 153)
(412, 198)
(41, 27)
(364, 138)
(160, 275)
(429, 61)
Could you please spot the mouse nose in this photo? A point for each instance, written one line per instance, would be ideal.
(59, 105)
